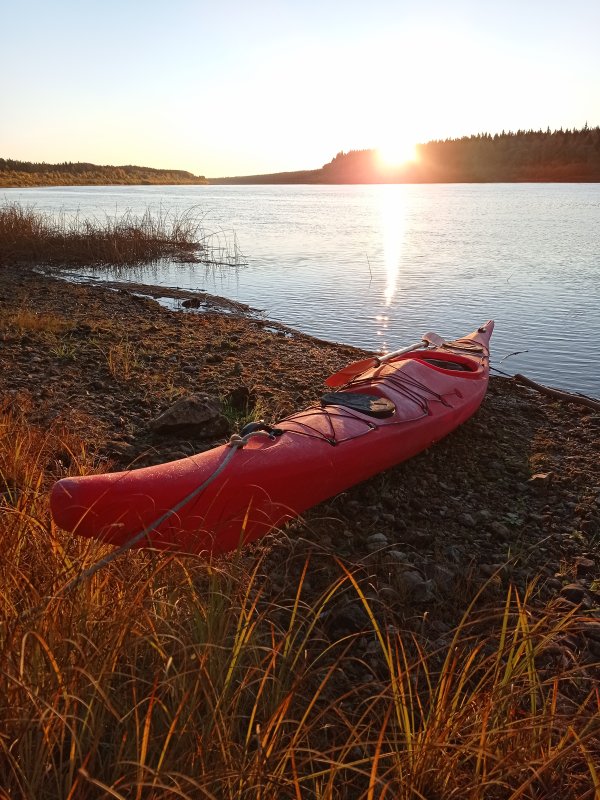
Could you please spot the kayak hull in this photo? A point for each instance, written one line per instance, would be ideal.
(216, 501)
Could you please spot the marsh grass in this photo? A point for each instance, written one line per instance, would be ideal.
(33, 237)
(169, 676)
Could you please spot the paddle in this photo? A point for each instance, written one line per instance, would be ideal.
(346, 374)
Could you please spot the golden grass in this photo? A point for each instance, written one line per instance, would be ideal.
(26, 320)
(164, 677)
(123, 360)
(33, 237)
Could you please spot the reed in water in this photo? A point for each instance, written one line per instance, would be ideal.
(29, 236)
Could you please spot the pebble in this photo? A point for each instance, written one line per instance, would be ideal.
(554, 584)
(501, 531)
(584, 566)
(574, 592)
(594, 648)
(396, 556)
(540, 479)
(349, 618)
(115, 447)
(591, 630)
(490, 569)
(376, 542)
(413, 586)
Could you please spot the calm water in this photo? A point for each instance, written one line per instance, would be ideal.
(375, 266)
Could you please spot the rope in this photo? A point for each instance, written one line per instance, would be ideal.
(314, 433)
(236, 443)
(501, 371)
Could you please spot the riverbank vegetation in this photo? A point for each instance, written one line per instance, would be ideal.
(23, 174)
(432, 633)
(524, 156)
(31, 236)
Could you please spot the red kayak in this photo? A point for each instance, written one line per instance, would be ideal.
(388, 410)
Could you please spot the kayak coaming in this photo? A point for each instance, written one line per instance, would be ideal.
(320, 453)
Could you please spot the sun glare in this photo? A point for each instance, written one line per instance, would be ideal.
(397, 152)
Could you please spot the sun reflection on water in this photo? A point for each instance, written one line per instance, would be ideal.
(393, 227)
(392, 209)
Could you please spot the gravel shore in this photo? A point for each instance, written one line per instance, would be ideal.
(513, 495)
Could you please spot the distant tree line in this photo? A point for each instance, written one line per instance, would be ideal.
(562, 155)
(526, 156)
(25, 173)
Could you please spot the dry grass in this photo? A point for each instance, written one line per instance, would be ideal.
(123, 360)
(33, 237)
(166, 677)
(26, 320)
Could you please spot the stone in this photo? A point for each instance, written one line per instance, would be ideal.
(594, 649)
(591, 630)
(574, 592)
(349, 618)
(376, 542)
(396, 556)
(193, 302)
(117, 448)
(414, 586)
(489, 570)
(500, 530)
(585, 566)
(197, 415)
(554, 584)
(540, 480)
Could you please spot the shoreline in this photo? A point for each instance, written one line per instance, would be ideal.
(521, 476)
(252, 181)
(464, 582)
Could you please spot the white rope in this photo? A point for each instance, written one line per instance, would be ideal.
(236, 443)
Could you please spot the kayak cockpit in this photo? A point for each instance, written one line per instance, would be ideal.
(372, 405)
(455, 363)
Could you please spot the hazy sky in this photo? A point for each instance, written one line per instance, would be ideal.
(228, 87)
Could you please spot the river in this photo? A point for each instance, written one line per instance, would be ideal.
(376, 266)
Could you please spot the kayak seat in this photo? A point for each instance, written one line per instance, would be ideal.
(370, 404)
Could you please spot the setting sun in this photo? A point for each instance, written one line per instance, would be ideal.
(397, 152)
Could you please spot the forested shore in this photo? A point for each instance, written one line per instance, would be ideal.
(525, 156)
(24, 174)
(568, 156)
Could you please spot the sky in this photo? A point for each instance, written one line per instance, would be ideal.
(236, 88)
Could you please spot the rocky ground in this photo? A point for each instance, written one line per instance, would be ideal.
(512, 495)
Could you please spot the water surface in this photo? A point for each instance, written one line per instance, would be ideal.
(375, 266)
